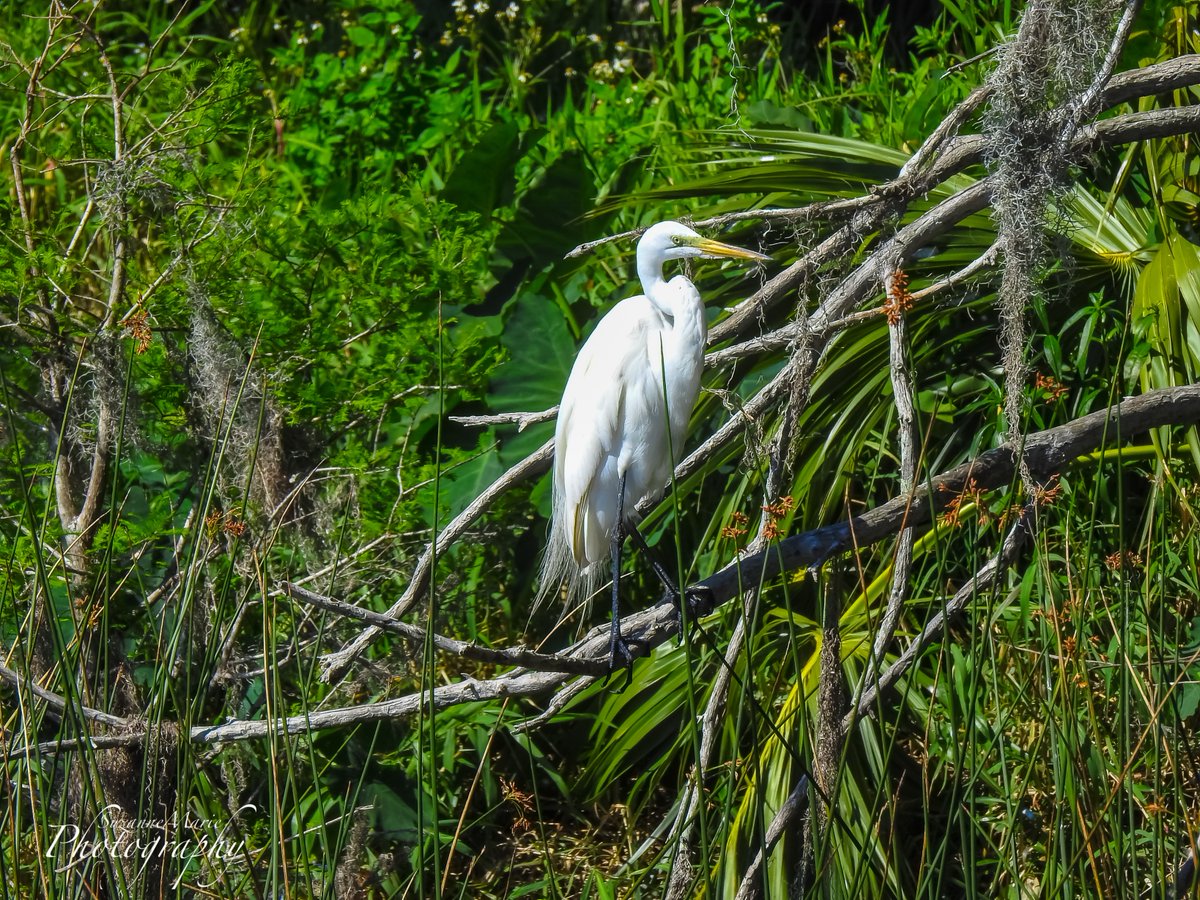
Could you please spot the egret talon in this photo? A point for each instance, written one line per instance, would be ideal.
(699, 600)
(620, 658)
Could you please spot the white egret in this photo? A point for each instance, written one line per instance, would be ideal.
(624, 415)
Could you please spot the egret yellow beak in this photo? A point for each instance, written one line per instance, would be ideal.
(715, 250)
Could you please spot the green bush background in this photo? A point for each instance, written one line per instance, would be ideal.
(342, 223)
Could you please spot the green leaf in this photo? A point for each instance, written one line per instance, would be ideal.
(483, 179)
(361, 37)
(541, 353)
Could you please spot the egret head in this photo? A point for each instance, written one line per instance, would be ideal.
(671, 240)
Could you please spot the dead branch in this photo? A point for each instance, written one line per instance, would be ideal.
(521, 419)
(512, 656)
(903, 395)
(335, 664)
(58, 703)
(1046, 452)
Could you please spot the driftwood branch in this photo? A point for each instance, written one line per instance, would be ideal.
(335, 664)
(1047, 453)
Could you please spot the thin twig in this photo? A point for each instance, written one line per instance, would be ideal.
(521, 419)
(511, 656)
(58, 702)
(335, 664)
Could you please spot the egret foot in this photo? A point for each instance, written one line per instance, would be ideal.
(619, 656)
(699, 599)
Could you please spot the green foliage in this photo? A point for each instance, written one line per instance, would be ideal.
(329, 227)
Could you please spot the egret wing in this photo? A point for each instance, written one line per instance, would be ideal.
(605, 390)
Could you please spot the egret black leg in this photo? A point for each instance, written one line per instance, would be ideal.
(659, 569)
(698, 599)
(616, 644)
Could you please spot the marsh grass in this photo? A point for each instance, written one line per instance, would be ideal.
(310, 289)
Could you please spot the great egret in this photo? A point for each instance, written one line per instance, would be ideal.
(624, 415)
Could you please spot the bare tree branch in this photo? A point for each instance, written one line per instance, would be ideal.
(1153, 79)
(521, 419)
(512, 656)
(1047, 453)
(903, 396)
(786, 815)
(57, 702)
(335, 664)
(952, 154)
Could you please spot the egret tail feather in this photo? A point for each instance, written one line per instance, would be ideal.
(561, 575)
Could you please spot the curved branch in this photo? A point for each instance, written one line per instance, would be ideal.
(59, 703)
(512, 656)
(335, 664)
(1046, 453)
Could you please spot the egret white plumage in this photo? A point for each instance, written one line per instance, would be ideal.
(624, 416)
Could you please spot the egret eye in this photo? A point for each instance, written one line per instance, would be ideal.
(676, 239)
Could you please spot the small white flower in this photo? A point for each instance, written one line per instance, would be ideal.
(511, 11)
